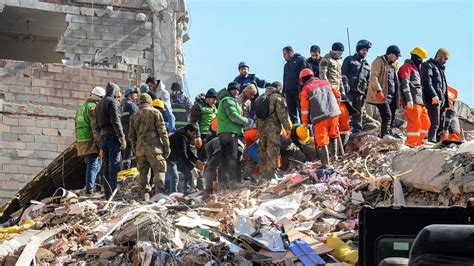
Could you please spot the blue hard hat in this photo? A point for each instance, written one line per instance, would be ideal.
(130, 91)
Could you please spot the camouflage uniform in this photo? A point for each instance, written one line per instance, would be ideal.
(330, 70)
(269, 130)
(150, 144)
(245, 105)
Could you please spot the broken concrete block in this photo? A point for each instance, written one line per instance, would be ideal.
(462, 184)
(430, 178)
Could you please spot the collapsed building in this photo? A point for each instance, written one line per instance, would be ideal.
(53, 52)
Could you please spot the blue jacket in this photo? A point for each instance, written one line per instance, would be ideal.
(291, 72)
(169, 118)
(251, 78)
(127, 109)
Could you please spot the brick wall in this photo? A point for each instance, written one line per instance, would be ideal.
(37, 106)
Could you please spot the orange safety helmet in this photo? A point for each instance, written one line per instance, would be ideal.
(304, 73)
(452, 96)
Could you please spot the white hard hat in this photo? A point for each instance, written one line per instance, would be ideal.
(98, 91)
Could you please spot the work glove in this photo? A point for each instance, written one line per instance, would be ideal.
(435, 100)
(198, 143)
(410, 105)
(250, 124)
(166, 152)
(380, 96)
(123, 143)
(200, 165)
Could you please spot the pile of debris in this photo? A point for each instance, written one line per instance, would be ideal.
(310, 215)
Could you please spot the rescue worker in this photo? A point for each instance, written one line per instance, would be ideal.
(301, 138)
(180, 104)
(435, 91)
(244, 79)
(451, 128)
(330, 70)
(229, 128)
(87, 136)
(182, 158)
(213, 153)
(355, 77)
(293, 66)
(158, 90)
(112, 138)
(269, 129)
(127, 108)
(320, 108)
(168, 116)
(248, 163)
(315, 59)
(246, 99)
(418, 121)
(202, 113)
(150, 144)
(383, 89)
(330, 67)
(290, 148)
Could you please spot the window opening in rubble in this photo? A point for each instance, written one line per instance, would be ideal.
(31, 35)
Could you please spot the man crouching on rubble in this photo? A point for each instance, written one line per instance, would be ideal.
(88, 137)
(150, 144)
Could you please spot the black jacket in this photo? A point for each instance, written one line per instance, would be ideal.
(355, 74)
(434, 82)
(291, 72)
(314, 65)
(108, 113)
(181, 150)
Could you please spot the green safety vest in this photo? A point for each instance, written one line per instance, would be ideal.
(207, 114)
(83, 122)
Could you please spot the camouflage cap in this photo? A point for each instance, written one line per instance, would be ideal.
(145, 99)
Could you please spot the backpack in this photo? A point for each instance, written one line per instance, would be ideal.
(262, 106)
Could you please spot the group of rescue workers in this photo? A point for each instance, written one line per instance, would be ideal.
(236, 134)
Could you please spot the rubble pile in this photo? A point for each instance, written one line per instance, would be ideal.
(310, 214)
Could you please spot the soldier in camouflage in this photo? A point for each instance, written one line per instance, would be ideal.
(330, 67)
(150, 144)
(269, 130)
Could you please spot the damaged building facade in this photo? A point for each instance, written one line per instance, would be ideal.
(53, 52)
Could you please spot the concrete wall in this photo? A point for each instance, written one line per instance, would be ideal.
(37, 106)
(151, 43)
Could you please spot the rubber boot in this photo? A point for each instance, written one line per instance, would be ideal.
(344, 139)
(333, 148)
(324, 155)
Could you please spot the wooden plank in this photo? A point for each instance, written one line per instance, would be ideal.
(92, 251)
(29, 252)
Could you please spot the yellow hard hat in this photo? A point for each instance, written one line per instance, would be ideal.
(158, 103)
(303, 134)
(420, 51)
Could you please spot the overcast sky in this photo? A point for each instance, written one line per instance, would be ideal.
(225, 32)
